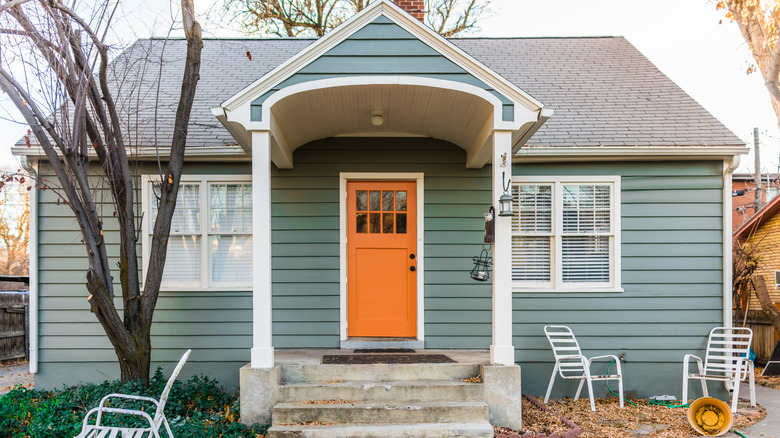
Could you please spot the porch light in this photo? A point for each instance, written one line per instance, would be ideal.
(505, 201)
(377, 118)
(481, 270)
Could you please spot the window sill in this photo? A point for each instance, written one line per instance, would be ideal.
(537, 290)
(206, 289)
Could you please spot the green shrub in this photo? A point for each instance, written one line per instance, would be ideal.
(196, 409)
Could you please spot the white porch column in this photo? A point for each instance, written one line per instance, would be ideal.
(262, 349)
(501, 351)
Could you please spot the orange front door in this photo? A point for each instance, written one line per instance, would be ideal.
(382, 259)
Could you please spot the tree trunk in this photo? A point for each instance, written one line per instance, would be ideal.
(767, 306)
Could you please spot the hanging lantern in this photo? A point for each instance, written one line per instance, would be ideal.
(482, 263)
(505, 201)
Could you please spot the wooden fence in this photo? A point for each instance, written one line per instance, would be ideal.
(14, 324)
(764, 338)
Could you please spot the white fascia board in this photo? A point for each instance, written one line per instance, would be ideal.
(354, 24)
(610, 153)
(144, 153)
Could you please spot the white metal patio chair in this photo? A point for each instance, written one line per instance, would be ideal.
(155, 423)
(725, 360)
(571, 364)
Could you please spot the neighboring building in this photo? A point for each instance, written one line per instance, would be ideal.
(320, 172)
(744, 195)
(762, 230)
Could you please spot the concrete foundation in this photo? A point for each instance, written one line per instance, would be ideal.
(259, 393)
(503, 395)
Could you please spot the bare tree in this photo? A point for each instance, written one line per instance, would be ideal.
(758, 20)
(76, 122)
(293, 18)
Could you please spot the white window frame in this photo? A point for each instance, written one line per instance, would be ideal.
(556, 283)
(205, 181)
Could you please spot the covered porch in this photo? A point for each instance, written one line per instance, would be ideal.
(404, 110)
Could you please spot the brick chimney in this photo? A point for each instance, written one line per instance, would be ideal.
(415, 7)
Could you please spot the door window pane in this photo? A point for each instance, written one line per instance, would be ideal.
(374, 200)
(387, 222)
(400, 223)
(374, 221)
(387, 201)
(362, 223)
(362, 200)
(400, 200)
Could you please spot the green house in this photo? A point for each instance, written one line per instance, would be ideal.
(335, 192)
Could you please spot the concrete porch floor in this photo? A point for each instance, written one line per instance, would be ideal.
(314, 357)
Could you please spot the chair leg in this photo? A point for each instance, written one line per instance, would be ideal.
(620, 390)
(704, 392)
(590, 394)
(552, 380)
(752, 382)
(685, 388)
(579, 390)
(735, 392)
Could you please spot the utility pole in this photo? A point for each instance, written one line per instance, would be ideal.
(756, 149)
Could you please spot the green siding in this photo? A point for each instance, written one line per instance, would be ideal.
(672, 258)
(217, 325)
(306, 277)
(671, 269)
(368, 52)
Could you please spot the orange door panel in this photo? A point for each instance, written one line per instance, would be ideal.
(381, 259)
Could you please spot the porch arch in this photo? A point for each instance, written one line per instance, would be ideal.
(457, 112)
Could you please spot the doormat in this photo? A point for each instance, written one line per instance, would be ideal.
(383, 350)
(365, 359)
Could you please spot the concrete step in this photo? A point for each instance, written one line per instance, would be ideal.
(380, 413)
(423, 390)
(429, 430)
(377, 372)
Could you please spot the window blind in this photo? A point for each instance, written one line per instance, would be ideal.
(531, 229)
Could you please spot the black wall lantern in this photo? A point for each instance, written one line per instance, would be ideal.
(505, 201)
(481, 270)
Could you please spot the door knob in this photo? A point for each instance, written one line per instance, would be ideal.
(412, 268)
(411, 256)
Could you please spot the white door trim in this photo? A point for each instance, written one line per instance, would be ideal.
(372, 176)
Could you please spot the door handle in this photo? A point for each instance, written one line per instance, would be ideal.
(412, 268)
(411, 256)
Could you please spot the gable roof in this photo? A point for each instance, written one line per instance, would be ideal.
(403, 27)
(766, 213)
(603, 90)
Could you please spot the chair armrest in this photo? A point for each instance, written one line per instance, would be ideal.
(129, 397)
(689, 356)
(687, 360)
(606, 356)
(104, 410)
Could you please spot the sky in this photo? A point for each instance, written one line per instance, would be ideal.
(683, 38)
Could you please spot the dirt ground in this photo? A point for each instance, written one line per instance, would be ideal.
(14, 373)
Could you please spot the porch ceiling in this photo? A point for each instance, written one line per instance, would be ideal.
(407, 110)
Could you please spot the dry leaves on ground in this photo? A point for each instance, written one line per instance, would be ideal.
(768, 381)
(610, 420)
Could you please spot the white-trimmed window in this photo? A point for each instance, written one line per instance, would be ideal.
(210, 245)
(566, 233)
